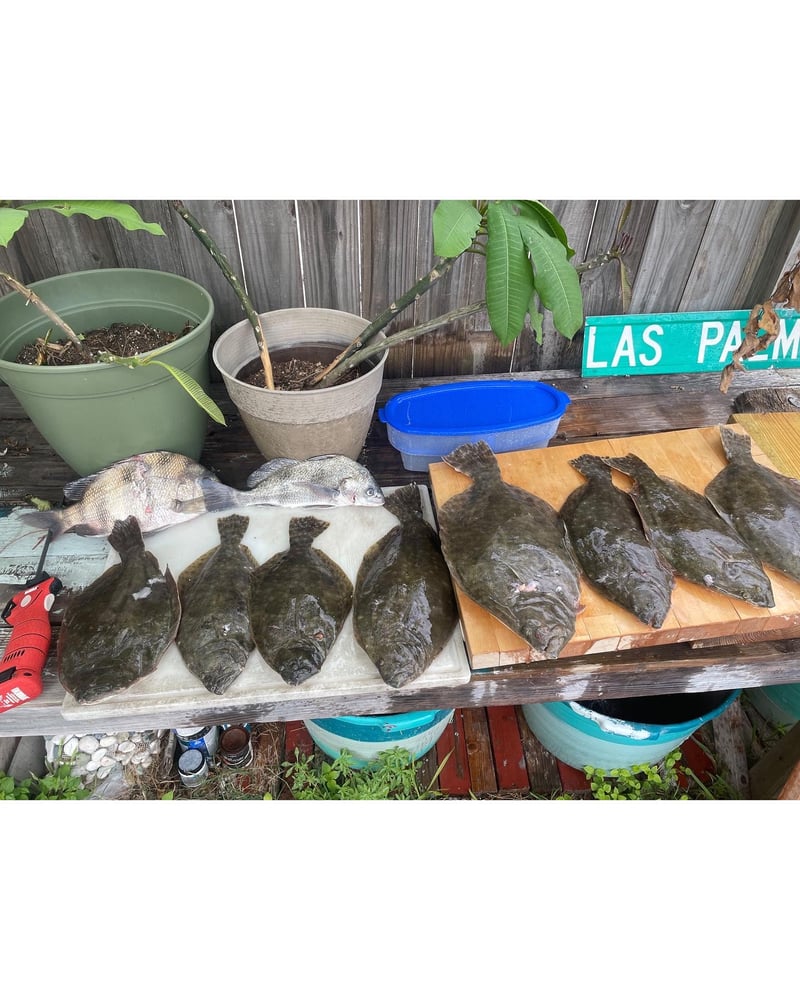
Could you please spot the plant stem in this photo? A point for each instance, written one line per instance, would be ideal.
(31, 296)
(415, 331)
(221, 261)
(335, 368)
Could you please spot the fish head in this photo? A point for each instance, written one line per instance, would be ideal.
(360, 490)
(745, 580)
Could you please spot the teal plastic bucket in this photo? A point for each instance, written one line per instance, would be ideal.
(622, 732)
(778, 703)
(366, 735)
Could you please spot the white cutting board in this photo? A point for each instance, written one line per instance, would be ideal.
(347, 669)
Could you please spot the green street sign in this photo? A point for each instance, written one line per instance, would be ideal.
(663, 343)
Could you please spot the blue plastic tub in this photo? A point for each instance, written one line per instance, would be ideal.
(622, 732)
(508, 414)
(366, 735)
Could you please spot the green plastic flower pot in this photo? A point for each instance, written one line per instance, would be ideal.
(92, 415)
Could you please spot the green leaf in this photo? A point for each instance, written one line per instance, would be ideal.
(11, 219)
(509, 281)
(193, 387)
(125, 214)
(555, 279)
(540, 215)
(455, 225)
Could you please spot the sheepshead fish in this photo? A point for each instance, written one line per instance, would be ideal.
(299, 600)
(611, 547)
(116, 630)
(149, 487)
(508, 550)
(404, 608)
(692, 537)
(214, 637)
(322, 481)
(762, 505)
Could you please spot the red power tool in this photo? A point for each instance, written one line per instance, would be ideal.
(28, 614)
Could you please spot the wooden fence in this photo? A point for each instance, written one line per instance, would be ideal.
(359, 255)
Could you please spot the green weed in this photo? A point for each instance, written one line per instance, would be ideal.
(393, 775)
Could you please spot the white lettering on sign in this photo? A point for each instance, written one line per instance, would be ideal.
(786, 344)
(734, 340)
(590, 361)
(711, 333)
(624, 349)
(647, 336)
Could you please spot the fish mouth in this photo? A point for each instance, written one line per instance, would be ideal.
(296, 664)
(397, 673)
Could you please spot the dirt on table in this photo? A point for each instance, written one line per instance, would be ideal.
(122, 339)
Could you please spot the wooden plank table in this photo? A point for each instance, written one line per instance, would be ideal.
(601, 408)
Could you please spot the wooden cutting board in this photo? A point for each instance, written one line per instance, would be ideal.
(692, 457)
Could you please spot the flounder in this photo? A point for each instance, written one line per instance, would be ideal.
(762, 505)
(508, 550)
(404, 607)
(611, 547)
(692, 537)
(214, 637)
(299, 600)
(117, 630)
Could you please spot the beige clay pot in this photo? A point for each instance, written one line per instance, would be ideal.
(299, 425)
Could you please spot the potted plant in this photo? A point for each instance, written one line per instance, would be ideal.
(95, 412)
(527, 263)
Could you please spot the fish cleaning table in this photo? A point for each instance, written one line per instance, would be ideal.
(760, 648)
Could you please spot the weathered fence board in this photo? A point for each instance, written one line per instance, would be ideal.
(360, 255)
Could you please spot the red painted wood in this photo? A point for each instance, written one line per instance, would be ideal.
(697, 760)
(297, 736)
(572, 780)
(509, 756)
(454, 778)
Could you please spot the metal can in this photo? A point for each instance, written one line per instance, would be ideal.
(235, 748)
(192, 768)
(202, 738)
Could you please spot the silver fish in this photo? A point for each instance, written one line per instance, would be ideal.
(299, 600)
(116, 630)
(692, 537)
(611, 547)
(508, 550)
(322, 481)
(404, 607)
(214, 637)
(759, 503)
(150, 487)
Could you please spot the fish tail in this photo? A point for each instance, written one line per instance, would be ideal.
(49, 520)
(631, 465)
(474, 459)
(405, 502)
(215, 496)
(126, 536)
(737, 447)
(232, 528)
(591, 466)
(303, 531)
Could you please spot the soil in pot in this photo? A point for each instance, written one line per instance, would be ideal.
(122, 339)
(292, 367)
